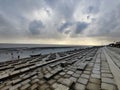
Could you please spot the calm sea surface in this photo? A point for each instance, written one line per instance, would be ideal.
(6, 55)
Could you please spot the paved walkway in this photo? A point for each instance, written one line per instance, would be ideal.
(114, 68)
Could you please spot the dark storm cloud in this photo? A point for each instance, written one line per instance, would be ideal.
(35, 27)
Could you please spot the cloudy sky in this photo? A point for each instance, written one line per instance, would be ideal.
(77, 22)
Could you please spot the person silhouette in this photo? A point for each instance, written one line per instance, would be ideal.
(18, 56)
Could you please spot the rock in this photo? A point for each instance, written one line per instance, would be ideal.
(15, 72)
(57, 86)
(25, 82)
(16, 81)
(83, 81)
(76, 75)
(93, 86)
(15, 87)
(79, 86)
(85, 76)
(95, 76)
(108, 80)
(70, 72)
(4, 76)
(81, 66)
(65, 81)
(26, 86)
(95, 80)
(106, 86)
(62, 73)
(89, 59)
(48, 76)
(73, 79)
(34, 86)
(107, 75)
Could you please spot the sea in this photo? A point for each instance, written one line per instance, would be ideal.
(12, 51)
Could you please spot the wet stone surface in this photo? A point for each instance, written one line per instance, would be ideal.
(85, 69)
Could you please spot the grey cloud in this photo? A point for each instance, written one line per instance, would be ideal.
(88, 17)
(35, 27)
(19, 6)
(6, 28)
(10, 30)
(107, 26)
(3, 21)
(67, 31)
(93, 9)
(64, 8)
(80, 26)
(15, 11)
(64, 26)
(15, 23)
(16, 18)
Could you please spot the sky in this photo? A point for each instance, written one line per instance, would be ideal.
(71, 22)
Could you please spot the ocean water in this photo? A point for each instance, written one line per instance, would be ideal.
(6, 55)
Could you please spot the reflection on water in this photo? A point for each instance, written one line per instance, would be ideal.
(12, 55)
